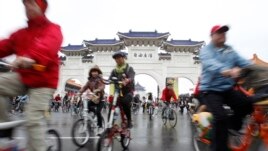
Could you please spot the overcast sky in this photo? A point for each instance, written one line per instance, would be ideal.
(184, 19)
(89, 19)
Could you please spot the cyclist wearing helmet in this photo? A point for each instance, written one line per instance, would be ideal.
(125, 73)
(168, 94)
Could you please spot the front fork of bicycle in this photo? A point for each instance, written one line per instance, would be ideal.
(85, 114)
(111, 118)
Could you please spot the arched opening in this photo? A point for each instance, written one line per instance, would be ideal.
(144, 84)
(185, 86)
(73, 85)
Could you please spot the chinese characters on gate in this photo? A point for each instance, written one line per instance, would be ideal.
(143, 55)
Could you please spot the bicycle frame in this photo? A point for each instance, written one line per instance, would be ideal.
(18, 123)
(113, 107)
(259, 118)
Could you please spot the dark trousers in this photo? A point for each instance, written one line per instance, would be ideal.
(97, 111)
(125, 102)
(241, 106)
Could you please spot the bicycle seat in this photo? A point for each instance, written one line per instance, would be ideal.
(11, 124)
(263, 102)
(260, 99)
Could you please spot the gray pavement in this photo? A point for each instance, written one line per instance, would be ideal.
(146, 135)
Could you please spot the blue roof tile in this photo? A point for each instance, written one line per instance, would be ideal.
(102, 41)
(154, 34)
(73, 47)
(184, 42)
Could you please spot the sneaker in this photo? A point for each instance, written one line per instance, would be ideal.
(100, 130)
(236, 138)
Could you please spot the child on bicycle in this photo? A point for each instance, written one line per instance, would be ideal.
(95, 85)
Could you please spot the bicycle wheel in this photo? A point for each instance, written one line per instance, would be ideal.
(103, 123)
(150, 112)
(125, 139)
(172, 117)
(80, 133)
(164, 116)
(239, 142)
(53, 140)
(105, 142)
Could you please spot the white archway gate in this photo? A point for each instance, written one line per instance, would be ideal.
(178, 58)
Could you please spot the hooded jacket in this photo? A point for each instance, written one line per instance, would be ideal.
(40, 41)
(167, 94)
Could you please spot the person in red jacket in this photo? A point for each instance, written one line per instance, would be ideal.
(38, 43)
(169, 93)
(197, 94)
(57, 102)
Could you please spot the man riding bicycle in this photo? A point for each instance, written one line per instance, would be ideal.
(168, 94)
(38, 43)
(125, 73)
(220, 66)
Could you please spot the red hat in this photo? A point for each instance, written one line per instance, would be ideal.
(219, 29)
(42, 4)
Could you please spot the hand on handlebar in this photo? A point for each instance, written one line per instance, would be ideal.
(233, 73)
(125, 81)
(23, 62)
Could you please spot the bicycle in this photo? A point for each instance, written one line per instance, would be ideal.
(52, 138)
(257, 126)
(113, 130)
(76, 110)
(150, 110)
(135, 107)
(85, 126)
(7, 128)
(158, 109)
(169, 114)
(65, 107)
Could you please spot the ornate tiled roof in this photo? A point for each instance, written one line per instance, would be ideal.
(183, 42)
(258, 61)
(103, 42)
(132, 34)
(138, 87)
(73, 47)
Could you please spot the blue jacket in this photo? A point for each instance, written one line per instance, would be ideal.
(215, 60)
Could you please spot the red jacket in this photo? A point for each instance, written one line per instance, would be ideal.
(167, 94)
(196, 90)
(40, 41)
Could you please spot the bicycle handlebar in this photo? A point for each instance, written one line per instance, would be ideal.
(112, 81)
(11, 124)
(37, 67)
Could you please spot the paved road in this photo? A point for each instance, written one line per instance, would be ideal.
(147, 135)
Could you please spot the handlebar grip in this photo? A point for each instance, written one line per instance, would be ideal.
(39, 67)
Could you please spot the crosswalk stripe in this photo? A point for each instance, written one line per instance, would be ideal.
(95, 137)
